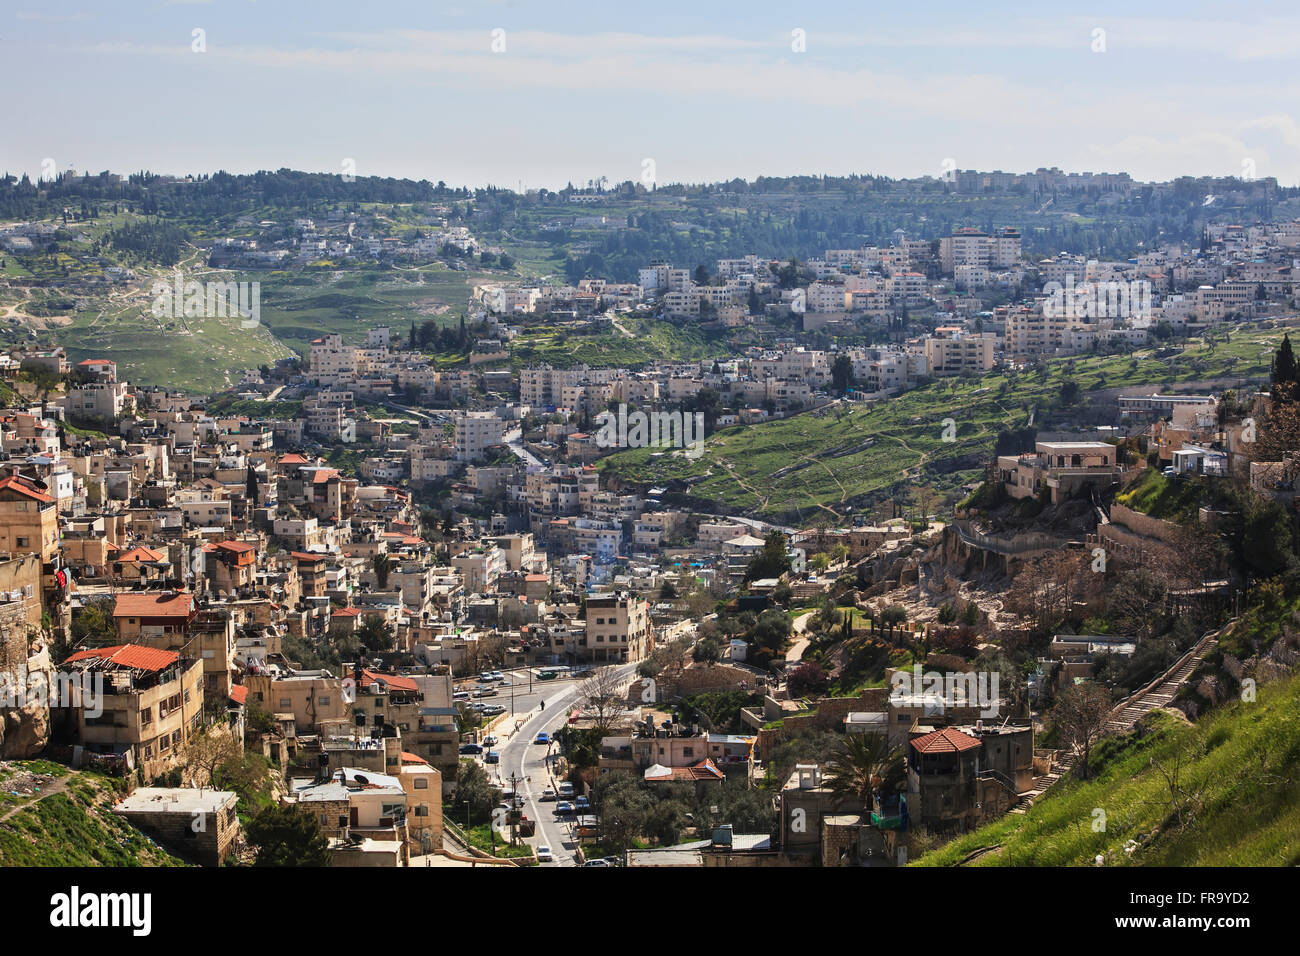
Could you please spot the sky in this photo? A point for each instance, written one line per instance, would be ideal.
(543, 92)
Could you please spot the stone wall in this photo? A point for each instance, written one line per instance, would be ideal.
(24, 716)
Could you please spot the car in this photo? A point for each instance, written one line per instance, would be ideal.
(613, 861)
(471, 750)
(543, 738)
(491, 710)
(1169, 472)
(544, 854)
(490, 740)
(597, 863)
(479, 706)
(566, 790)
(485, 677)
(582, 803)
(548, 794)
(492, 757)
(497, 675)
(485, 692)
(460, 695)
(563, 809)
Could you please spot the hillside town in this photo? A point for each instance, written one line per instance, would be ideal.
(414, 614)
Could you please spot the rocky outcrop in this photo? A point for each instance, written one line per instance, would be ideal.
(25, 706)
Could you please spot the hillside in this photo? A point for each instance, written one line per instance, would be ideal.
(1234, 800)
(848, 454)
(53, 816)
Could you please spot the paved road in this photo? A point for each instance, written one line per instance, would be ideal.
(522, 757)
(513, 440)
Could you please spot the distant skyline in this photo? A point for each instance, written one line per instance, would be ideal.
(575, 92)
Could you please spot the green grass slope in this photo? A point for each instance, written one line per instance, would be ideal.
(70, 824)
(1236, 782)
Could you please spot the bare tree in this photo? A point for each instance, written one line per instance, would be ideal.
(205, 752)
(602, 694)
(1080, 714)
(1184, 798)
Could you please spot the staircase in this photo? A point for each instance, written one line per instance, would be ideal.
(1128, 712)
(1164, 689)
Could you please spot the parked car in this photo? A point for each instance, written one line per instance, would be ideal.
(490, 740)
(492, 757)
(485, 692)
(471, 750)
(544, 854)
(460, 695)
(485, 677)
(491, 710)
(548, 794)
(563, 809)
(597, 863)
(497, 675)
(542, 738)
(582, 804)
(566, 791)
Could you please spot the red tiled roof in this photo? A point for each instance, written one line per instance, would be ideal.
(947, 741)
(322, 475)
(413, 758)
(238, 693)
(141, 553)
(24, 487)
(94, 362)
(154, 604)
(293, 460)
(239, 546)
(393, 681)
(307, 556)
(131, 656)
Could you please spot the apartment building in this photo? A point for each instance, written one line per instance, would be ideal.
(152, 702)
(618, 629)
(476, 432)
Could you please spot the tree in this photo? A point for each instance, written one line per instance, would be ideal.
(374, 635)
(250, 487)
(1080, 716)
(864, 765)
(286, 836)
(472, 785)
(93, 627)
(772, 561)
(207, 751)
(1284, 364)
(601, 693)
(842, 373)
(381, 565)
(807, 679)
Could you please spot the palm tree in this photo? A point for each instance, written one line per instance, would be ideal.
(866, 764)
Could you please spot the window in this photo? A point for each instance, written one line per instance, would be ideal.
(20, 542)
(421, 784)
(286, 703)
(323, 701)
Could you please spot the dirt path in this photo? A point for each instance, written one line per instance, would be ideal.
(55, 786)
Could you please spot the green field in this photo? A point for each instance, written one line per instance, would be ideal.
(832, 458)
(1232, 818)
